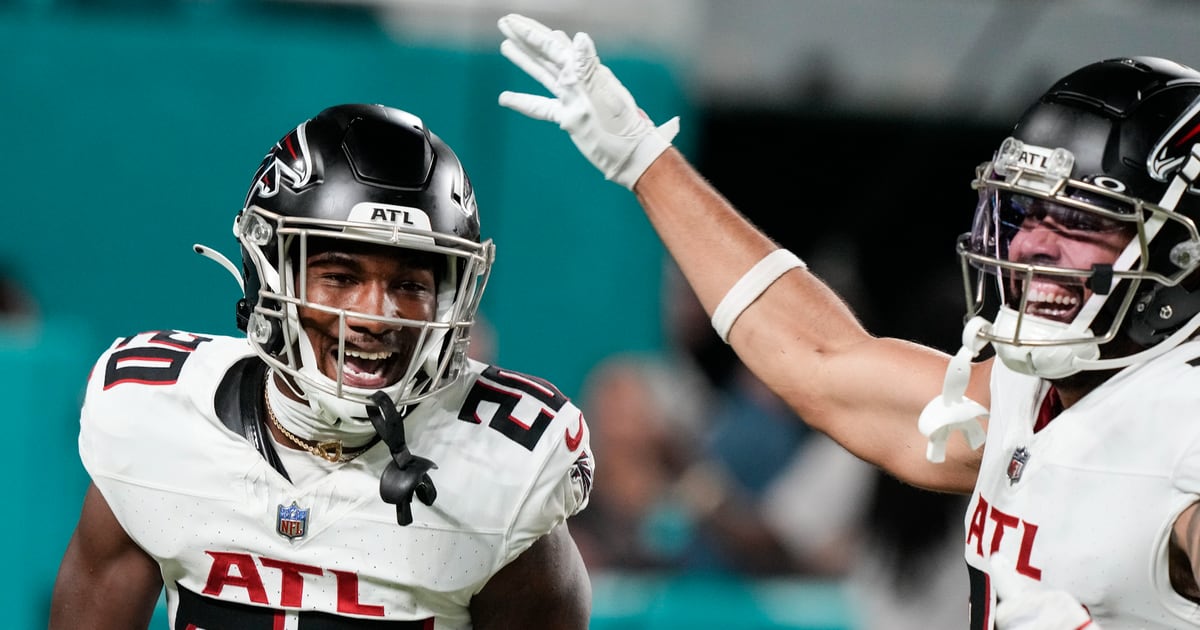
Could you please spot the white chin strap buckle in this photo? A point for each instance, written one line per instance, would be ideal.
(1044, 361)
(952, 411)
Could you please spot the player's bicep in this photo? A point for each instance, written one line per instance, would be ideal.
(547, 586)
(105, 580)
(868, 396)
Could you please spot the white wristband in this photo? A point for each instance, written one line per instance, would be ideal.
(751, 285)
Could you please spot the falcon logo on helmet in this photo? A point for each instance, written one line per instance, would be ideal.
(1173, 149)
(289, 162)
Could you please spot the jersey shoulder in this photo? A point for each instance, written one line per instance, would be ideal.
(163, 360)
(521, 409)
(1166, 387)
(511, 441)
(157, 386)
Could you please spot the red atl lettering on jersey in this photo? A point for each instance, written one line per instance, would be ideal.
(221, 574)
(982, 514)
(240, 570)
(292, 584)
(347, 590)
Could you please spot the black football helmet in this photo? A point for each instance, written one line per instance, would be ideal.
(1108, 159)
(368, 174)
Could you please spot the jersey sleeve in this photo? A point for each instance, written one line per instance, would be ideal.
(144, 394)
(1187, 472)
(562, 487)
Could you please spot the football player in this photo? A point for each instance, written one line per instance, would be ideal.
(345, 464)
(1083, 508)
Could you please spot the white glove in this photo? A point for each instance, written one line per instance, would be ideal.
(589, 102)
(1026, 604)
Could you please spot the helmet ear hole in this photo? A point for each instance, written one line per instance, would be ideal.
(1161, 312)
(243, 311)
(274, 343)
(267, 332)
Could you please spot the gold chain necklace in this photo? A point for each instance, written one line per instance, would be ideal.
(329, 450)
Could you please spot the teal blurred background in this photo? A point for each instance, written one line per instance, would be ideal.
(130, 134)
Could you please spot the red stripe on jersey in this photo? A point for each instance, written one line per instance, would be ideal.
(137, 380)
(1051, 407)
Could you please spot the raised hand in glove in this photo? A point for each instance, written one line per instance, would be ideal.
(589, 103)
(1025, 604)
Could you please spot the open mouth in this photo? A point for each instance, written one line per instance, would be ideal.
(1053, 301)
(368, 370)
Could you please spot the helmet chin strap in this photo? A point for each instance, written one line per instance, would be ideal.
(1049, 361)
(1160, 348)
(299, 418)
(336, 411)
(952, 410)
(220, 259)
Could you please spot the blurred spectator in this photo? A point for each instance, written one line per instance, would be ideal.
(752, 437)
(17, 305)
(899, 548)
(680, 490)
(644, 436)
(648, 414)
(684, 437)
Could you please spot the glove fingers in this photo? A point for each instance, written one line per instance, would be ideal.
(541, 71)
(584, 45)
(516, 26)
(539, 51)
(533, 106)
(537, 39)
(586, 62)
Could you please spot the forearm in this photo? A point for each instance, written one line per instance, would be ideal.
(797, 320)
(713, 244)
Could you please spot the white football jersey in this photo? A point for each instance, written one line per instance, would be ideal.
(1086, 504)
(241, 547)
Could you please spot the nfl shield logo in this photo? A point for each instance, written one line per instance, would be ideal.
(1016, 465)
(292, 521)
